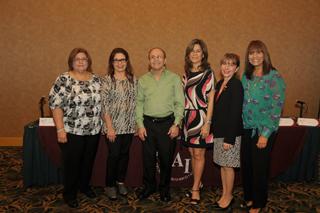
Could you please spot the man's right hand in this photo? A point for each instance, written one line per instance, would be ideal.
(142, 132)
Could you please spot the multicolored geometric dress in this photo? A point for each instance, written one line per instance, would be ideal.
(196, 89)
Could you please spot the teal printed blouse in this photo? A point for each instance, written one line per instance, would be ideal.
(263, 101)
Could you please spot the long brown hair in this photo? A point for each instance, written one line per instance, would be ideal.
(257, 45)
(129, 69)
(204, 62)
(74, 53)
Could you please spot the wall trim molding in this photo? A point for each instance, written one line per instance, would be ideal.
(11, 141)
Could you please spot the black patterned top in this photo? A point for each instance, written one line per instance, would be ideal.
(80, 102)
(119, 101)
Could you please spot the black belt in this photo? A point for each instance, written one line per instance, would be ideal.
(159, 120)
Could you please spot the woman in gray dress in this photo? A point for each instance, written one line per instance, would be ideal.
(227, 126)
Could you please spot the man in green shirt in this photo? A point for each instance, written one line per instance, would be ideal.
(159, 111)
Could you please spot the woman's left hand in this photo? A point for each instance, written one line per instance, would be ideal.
(205, 130)
(262, 142)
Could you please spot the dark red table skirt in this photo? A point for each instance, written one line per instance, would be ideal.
(287, 147)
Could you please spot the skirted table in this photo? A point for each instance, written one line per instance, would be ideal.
(295, 157)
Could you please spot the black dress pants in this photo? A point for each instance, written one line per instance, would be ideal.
(158, 140)
(118, 159)
(255, 168)
(78, 156)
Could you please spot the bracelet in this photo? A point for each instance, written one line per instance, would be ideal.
(60, 130)
(208, 122)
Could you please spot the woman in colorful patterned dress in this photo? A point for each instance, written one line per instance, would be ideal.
(118, 106)
(75, 102)
(198, 84)
(264, 91)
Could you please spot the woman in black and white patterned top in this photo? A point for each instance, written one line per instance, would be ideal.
(118, 107)
(75, 102)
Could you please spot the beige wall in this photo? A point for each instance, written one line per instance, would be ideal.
(36, 37)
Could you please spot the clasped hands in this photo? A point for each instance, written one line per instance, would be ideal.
(173, 132)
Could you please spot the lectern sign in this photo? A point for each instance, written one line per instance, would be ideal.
(46, 122)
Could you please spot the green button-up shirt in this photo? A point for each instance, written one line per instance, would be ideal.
(159, 98)
(263, 101)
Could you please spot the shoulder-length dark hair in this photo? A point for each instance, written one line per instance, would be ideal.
(204, 62)
(129, 69)
(73, 55)
(257, 45)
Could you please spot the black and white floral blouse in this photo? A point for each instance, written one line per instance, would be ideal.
(80, 102)
(119, 101)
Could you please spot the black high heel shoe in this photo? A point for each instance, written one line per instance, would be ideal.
(188, 193)
(215, 204)
(244, 205)
(195, 201)
(219, 208)
(259, 209)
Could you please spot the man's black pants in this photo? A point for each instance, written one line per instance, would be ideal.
(158, 140)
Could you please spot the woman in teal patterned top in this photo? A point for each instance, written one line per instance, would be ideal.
(264, 91)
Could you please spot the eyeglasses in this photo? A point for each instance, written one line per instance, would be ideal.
(121, 60)
(80, 59)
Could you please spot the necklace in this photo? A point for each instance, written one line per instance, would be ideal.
(251, 87)
(255, 81)
(222, 88)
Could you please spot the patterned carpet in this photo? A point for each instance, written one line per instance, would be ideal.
(283, 197)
